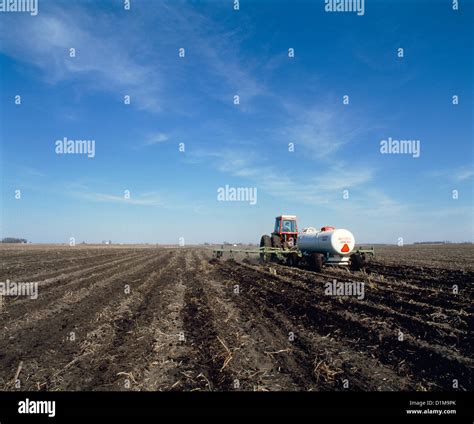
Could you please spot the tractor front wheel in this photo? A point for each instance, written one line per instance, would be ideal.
(315, 262)
(265, 241)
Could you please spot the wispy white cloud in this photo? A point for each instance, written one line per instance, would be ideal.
(215, 47)
(125, 62)
(156, 139)
(143, 199)
(85, 189)
(319, 134)
(339, 177)
(313, 189)
(464, 174)
(320, 131)
(102, 58)
(459, 174)
(30, 171)
(376, 204)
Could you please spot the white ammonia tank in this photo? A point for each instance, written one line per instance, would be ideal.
(328, 240)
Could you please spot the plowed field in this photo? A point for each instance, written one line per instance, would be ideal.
(136, 318)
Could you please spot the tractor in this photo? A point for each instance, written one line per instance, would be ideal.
(315, 248)
(327, 246)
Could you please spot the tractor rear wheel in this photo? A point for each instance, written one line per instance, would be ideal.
(276, 242)
(357, 262)
(265, 241)
(315, 262)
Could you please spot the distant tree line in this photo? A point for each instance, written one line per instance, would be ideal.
(14, 240)
(432, 242)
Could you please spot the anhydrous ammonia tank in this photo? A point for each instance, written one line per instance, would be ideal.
(327, 240)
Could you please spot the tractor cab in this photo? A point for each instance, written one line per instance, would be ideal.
(286, 230)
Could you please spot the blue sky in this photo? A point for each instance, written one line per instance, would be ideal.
(190, 100)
